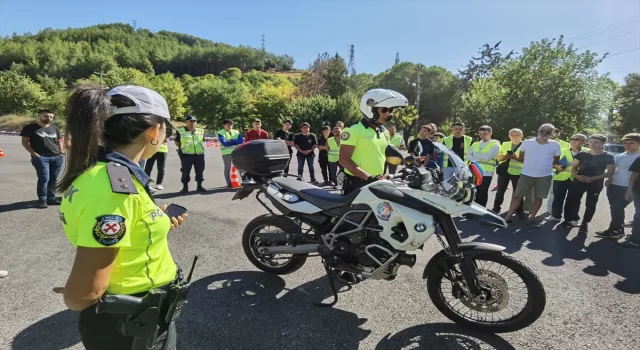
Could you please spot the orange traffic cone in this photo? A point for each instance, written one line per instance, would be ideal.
(235, 178)
(1, 153)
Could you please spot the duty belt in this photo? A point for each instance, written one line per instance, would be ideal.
(145, 310)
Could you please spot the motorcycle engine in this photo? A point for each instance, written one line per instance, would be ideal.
(351, 248)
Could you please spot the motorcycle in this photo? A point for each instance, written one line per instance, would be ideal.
(371, 232)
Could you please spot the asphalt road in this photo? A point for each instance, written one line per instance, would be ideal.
(593, 289)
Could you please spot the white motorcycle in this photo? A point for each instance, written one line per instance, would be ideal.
(371, 232)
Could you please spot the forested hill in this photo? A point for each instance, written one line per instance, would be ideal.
(77, 53)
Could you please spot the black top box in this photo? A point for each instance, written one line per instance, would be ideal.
(261, 157)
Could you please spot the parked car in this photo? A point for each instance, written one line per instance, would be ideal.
(613, 148)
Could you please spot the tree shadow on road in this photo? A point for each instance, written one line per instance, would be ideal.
(193, 192)
(59, 331)
(5, 208)
(442, 336)
(248, 310)
(558, 243)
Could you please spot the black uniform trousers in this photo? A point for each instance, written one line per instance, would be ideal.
(482, 192)
(323, 159)
(192, 160)
(576, 190)
(503, 184)
(334, 168)
(352, 183)
(161, 158)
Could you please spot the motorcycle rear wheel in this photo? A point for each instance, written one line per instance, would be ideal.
(535, 304)
(249, 245)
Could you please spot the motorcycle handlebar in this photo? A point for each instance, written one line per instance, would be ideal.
(395, 176)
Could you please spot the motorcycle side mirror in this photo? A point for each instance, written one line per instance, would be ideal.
(393, 155)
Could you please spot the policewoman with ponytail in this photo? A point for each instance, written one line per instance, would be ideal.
(109, 216)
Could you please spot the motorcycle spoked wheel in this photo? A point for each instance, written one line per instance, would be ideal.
(497, 291)
(267, 263)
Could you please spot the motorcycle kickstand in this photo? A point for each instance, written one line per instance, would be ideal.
(330, 274)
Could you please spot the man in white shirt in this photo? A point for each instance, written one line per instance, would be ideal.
(618, 184)
(484, 153)
(537, 171)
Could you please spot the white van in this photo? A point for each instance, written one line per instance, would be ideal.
(613, 148)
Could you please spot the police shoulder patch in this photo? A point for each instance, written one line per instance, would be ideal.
(345, 135)
(109, 229)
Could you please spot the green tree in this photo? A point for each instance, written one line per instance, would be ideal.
(171, 89)
(335, 77)
(626, 118)
(19, 94)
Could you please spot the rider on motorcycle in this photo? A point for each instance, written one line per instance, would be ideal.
(362, 146)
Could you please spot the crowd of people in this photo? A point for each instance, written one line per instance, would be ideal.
(109, 215)
(546, 167)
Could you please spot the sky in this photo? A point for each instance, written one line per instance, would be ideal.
(445, 33)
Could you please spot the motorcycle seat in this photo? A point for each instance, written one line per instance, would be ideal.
(315, 195)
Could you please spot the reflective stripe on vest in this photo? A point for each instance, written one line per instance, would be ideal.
(191, 142)
(334, 150)
(515, 167)
(228, 136)
(488, 166)
(448, 142)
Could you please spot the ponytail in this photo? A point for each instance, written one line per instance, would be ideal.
(87, 111)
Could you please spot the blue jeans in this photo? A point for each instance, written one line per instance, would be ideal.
(48, 168)
(635, 229)
(617, 203)
(309, 159)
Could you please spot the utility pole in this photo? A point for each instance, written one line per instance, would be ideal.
(352, 61)
(418, 89)
(101, 81)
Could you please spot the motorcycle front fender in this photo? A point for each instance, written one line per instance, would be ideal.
(468, 249)
(483, 215)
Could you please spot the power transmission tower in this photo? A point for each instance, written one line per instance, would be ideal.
(263, 43)
(352, 61)
(397, 58)
(100, 74)
(135, 27)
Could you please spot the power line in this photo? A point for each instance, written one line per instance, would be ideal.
(620, 53)
(585, 35)
(599, 42)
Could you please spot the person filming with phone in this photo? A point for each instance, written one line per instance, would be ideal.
(109, 216)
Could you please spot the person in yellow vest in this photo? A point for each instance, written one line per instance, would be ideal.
(509, 169)
(485, 153)
(333, 143)
(161, 158)
(229, 139)
(562, 178)
(459, 143)
(363, 145)
(190, 142)
(397, 141)
(118, 231)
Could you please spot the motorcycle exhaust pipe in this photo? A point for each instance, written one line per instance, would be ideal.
(285, 249)
(406, 259)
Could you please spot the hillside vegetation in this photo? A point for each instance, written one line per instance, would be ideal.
(549, 81)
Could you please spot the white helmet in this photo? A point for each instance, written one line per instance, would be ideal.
(381, 98)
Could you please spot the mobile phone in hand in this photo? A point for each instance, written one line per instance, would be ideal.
(174, 210)
(509, 152)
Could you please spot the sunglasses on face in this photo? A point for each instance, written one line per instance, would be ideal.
(387, 110)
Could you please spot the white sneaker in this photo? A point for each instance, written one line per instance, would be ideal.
(152, 190)
(159, 187)
(3, 273)
(552, 218)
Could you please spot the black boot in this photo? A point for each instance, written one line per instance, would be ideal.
(185, 188)
(200, 188)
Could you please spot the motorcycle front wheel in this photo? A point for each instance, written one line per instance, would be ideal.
(506, 304)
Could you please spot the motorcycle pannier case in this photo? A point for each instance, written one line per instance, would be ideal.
(261, 157)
